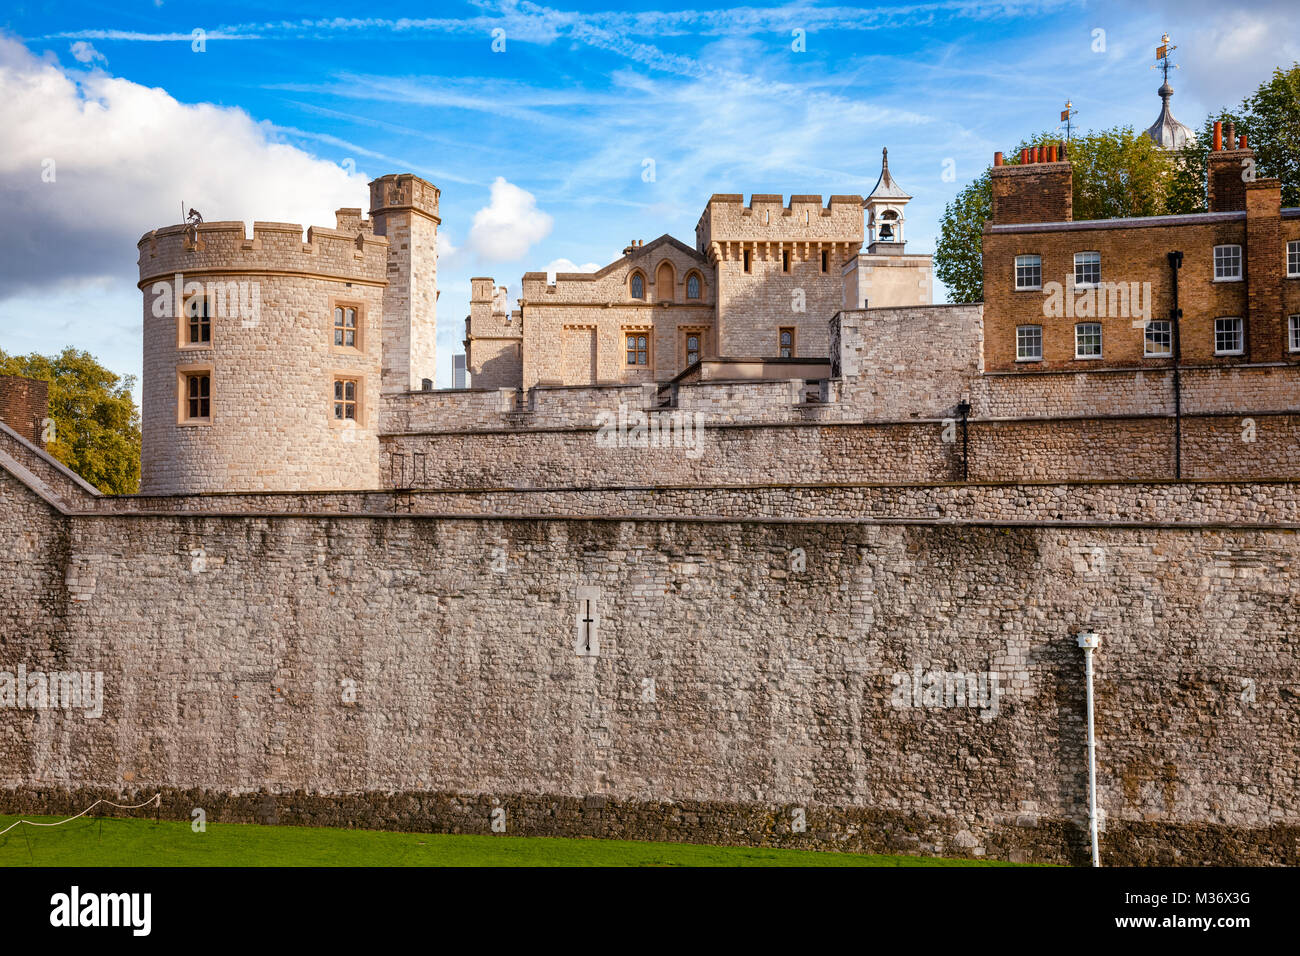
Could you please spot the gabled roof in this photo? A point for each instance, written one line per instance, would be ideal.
(625, 260)
(886, 188)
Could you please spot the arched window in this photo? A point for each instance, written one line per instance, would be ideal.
(638, 286)
(693, 286)
(665, 281)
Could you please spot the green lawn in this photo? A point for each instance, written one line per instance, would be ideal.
(133, 842)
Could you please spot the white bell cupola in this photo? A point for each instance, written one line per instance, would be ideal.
(885, 213)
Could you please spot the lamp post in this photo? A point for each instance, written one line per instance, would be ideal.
(1089, 642)
(963, 409)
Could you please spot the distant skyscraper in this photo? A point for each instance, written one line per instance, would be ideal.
(458, 371)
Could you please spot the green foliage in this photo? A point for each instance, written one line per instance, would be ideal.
(118, 841)
(1270, 119)
(957, 260)
(96, 423)
(1273, 125)
(1118, 173)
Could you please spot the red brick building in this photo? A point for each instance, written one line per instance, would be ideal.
(1067, 295)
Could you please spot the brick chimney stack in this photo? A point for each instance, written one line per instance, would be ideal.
(1229, 163)
(1267, 333)
(24, 406)
(1039, 189)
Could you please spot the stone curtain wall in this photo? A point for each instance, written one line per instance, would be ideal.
(1118, 503)
(746, 671)
(1228, 447)
(899, 363)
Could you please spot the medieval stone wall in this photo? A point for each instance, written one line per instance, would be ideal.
(437, 669)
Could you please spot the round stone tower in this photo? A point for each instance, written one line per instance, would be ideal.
(262, 356)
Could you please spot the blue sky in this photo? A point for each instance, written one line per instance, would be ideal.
(540, 148)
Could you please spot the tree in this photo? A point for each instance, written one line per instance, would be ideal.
(1270, 120)
(96, 422)
(957, 259)
(1273, 124)
(1116, 173)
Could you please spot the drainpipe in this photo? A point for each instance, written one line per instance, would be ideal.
(963, 409)
(1175, 313)
(1089, 643)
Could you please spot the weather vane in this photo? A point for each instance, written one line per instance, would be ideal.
(1163, 63)
(1066, 113)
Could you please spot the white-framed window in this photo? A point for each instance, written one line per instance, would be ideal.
(1229, 336)
(1029, 272)
(1087, 340)
(1158, 339)
(1293, 259)
(1087, 269)
(1029, 343)
(1227, 263)
(1293, 332)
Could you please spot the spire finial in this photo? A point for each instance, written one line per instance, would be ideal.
(884, 157)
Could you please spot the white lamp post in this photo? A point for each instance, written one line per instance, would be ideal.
(1089, 642)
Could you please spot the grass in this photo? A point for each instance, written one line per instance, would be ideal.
(117, 841)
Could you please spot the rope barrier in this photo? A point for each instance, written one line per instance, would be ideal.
(155, 800)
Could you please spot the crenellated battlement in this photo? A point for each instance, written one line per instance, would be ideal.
(769, 218)
(351, 251)
(403, 191)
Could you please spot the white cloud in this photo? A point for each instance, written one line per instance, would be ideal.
(567, 265)
(86, 53)
(92, 162)
(508, 226)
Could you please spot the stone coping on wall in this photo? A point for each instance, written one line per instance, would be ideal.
(1001, 504)
(848, 423)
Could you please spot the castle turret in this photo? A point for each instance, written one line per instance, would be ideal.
(493, 338)
(261, 356)
(404, 208)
